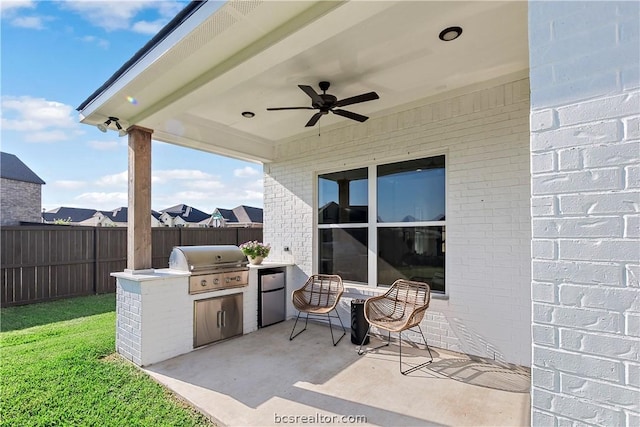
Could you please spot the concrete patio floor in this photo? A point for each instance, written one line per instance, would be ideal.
(263, 379)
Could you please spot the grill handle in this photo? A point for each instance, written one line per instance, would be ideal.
(213, 267)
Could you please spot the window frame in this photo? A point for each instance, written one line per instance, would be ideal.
(373, 225)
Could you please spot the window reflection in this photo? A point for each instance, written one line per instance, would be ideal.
(343, 197)
(343, 251)
(412, 191)
(413, 253)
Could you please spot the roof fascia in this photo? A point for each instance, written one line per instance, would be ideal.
(194, 14)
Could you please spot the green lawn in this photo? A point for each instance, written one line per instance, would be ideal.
(58, 368)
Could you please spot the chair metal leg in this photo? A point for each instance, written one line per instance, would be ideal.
(420, 366)
(360, 352)
(344, 331)
(291, 337)
(306, 322)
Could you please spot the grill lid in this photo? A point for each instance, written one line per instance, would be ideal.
(206, 258)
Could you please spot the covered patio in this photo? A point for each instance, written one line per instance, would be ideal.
(264, 379)
(505, 134)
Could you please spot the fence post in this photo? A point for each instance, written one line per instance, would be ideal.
(95, 260)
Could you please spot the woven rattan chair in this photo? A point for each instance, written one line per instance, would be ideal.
(318, 297)
(400, 309)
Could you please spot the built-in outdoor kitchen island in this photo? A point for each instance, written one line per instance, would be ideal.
(208, 294)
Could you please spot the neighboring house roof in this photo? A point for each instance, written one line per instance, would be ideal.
(117, 215)
(121, 214)
(227, 214)
(65, 213)
(241, 214)
(11, 167)
(248, 214)
(186, 213)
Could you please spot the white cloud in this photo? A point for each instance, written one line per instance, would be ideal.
(104, 200)
(195, 179)
(258, 184)
(205, 185)
(245, 172)
(253, 195)
(69, 184)
(12, 10)
(32, 22)
(42, 120)
(119, 179)
(106, 145)
(146, 27)
(100, 42)
(120, 15)
(11, 5)
(163, 176)
(192, 195)
(47, 136)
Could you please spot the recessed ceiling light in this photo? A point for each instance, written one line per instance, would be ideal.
(449, 34)
(248, 114)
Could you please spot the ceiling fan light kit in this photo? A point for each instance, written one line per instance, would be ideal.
(326, 103)
(103, 127)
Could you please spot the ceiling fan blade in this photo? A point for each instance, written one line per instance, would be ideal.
(350, 115)
(312, 94)
(314, 119)
(290, 108)
(356, 99)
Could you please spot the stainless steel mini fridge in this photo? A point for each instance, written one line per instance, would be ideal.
(271, 297)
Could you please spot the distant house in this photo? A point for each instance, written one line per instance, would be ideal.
(77, 216)
(184, 216)
(92, 217)
(241, 216)
(120, 216)
(20, 192)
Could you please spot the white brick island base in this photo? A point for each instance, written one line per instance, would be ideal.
(154, 314)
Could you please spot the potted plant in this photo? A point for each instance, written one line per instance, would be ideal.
(255, 251)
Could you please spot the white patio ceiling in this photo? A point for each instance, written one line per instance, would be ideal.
(246, 56)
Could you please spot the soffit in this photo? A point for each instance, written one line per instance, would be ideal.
(248, 56)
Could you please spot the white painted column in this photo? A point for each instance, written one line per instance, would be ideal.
(585, 163)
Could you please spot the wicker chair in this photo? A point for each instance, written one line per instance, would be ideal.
(400, 309)
(318, 297)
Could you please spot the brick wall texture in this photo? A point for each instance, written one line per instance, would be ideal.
(19, 201)
(585, 162)
(484, 133)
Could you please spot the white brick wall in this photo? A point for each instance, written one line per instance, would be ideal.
(585, 151)
(484, 134)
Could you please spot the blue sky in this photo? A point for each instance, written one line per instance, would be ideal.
(54, 54)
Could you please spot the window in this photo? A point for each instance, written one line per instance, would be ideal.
(343, 216)
(399, 234)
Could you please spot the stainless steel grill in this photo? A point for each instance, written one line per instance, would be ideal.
(212, 267)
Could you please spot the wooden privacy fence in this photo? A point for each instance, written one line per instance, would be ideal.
(42, 263)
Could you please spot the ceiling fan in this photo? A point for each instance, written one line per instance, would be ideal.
(326, 102)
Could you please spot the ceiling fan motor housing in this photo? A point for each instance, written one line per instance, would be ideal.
(328, 102)
(325, 103)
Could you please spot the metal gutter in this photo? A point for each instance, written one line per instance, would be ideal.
(182, 16)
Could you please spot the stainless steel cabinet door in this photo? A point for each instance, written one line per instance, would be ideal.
(231, 317)
(217, 319)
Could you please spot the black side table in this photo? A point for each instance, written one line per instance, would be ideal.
(359, 324)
